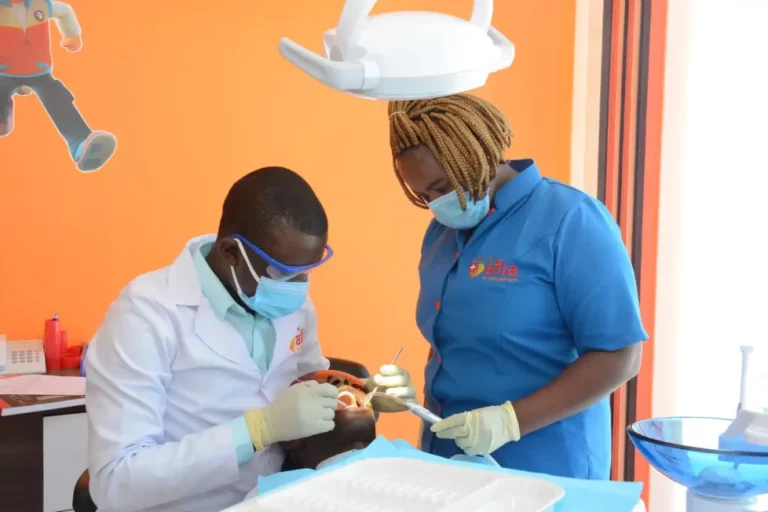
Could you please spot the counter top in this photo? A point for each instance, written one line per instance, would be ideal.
(14, 405)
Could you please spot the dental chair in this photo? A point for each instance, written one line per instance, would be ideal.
(81, 499)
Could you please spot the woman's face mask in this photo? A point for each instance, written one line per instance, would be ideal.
(425, 177)
(447, 210)
(273, 298)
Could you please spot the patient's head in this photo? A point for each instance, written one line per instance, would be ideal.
(355, 425)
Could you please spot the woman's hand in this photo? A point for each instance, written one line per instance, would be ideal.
(588, 380)
(581, 385)
(481, 431)
(394, 381)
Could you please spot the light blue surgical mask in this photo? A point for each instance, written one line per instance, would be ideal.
(447, 210)
(273, 299)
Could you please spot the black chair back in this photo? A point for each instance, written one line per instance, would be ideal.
(350, 367)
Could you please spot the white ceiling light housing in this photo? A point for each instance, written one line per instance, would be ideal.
(405, 55)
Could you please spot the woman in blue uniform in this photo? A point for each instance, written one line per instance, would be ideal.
(528, 297)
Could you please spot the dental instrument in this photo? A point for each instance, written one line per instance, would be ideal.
(405, 55)
(426, 415)
(394, 360)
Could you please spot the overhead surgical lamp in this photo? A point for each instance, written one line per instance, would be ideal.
(405, 55)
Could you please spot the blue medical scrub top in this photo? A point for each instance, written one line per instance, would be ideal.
(544, 279)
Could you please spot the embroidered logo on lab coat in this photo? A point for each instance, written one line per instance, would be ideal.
(297, 343)
(493, 269)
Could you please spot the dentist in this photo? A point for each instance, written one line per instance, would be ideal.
(189, 377)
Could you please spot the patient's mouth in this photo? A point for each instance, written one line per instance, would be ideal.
(347, 399)
(351, 398)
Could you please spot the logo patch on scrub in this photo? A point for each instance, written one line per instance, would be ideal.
(475, 269)
(493, 269)
(297, 343)
(39, 15)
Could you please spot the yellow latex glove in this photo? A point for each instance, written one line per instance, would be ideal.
(481, 431)
(393, 381)
(303, 410)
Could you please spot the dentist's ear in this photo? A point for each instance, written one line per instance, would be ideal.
(229, 251)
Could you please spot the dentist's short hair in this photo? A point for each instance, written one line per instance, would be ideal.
(270, 197)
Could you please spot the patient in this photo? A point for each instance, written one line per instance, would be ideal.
(355, 426)
(355, 430)
(354, 438)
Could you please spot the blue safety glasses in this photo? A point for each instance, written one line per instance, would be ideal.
(280, 271)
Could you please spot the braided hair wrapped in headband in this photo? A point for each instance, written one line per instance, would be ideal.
(466, 134)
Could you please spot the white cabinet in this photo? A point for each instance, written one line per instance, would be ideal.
(65, 457)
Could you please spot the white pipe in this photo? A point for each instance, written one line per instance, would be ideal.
(746, 351)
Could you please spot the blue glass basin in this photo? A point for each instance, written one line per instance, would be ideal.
(690, 451)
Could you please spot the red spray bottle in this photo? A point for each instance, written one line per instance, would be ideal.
(52, 343)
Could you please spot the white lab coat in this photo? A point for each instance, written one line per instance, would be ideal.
(164, 376)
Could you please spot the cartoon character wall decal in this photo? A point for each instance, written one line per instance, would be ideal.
(26, 66)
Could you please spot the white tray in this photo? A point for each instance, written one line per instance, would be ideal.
(408, 485)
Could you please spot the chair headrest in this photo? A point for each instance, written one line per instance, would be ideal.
(351, 367)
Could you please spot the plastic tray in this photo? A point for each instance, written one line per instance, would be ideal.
(405, 485)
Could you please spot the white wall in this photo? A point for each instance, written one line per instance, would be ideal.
(713, 235)
(587, 76)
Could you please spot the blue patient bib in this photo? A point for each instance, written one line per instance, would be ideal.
(580, 495)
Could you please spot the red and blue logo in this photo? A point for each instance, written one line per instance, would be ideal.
(493, 269)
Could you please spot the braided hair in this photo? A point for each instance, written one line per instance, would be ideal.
(466, 134)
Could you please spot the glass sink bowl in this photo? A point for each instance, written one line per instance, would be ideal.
(689, 451)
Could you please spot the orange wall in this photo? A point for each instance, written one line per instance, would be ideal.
(198, 98)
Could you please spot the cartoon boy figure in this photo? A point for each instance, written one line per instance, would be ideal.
(26, 66)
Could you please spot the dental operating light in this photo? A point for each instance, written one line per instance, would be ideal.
(405, 55)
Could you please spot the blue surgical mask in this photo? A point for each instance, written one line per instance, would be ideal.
(447, 210)
(273, 299)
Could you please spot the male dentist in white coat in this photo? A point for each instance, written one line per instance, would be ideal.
(189, 377)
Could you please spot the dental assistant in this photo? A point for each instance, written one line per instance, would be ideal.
(528, 297)
(189, 377)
